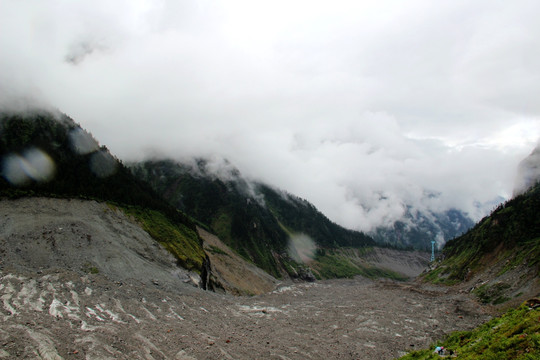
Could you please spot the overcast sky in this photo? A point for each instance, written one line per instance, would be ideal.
(357, 106)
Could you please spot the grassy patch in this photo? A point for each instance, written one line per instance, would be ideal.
(335, 266)
(493, 294)
(436, 276)
(514, 335)
(90, 269)
(222, 224)
(329, 265)
(178, 239)
(528, 253)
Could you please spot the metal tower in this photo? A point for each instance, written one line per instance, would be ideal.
(432, 250)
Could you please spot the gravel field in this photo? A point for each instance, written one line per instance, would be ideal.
(63, 315)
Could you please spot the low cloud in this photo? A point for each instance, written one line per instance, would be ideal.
(79, 50)
(362, 108)
(528, 172)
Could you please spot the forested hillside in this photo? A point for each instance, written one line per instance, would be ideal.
(298, 214)
(225, 207)
(259, 222)
(500, 255)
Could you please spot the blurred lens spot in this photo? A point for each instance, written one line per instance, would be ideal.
(34, 164)
(13, 171)
(102, 164)
(82, 142)
(39, 165)
(301, 248)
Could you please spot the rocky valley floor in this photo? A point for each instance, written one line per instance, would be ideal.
(61, 315)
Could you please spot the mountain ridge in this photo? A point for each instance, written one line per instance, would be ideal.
(252, 218)
(499, 258)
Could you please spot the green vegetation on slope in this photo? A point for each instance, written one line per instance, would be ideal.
(178, 239)
(512, 336)
(224, 207)
(492, 294)
(511, 234)
(253, 219)
(329, 264)
(299, 215)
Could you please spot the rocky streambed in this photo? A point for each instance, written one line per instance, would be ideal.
(61, 315)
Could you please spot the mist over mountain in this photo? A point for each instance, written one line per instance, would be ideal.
(528, 172)
(359, 107)
(498, 259)
(417, 229)
(256, 220)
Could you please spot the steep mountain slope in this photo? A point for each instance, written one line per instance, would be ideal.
(298, 215)
(226, 207)
(499, 259)
(46, 153)
(277, 231)
(230, 273)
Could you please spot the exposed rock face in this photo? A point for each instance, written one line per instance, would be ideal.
(232, 274)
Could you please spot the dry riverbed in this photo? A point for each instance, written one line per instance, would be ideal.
(63, 315)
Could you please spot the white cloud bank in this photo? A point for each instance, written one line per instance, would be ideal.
(357, 106)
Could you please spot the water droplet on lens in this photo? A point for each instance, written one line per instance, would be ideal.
(34, 164)
(12, 170)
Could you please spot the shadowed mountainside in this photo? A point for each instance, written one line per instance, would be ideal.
(277, 231)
